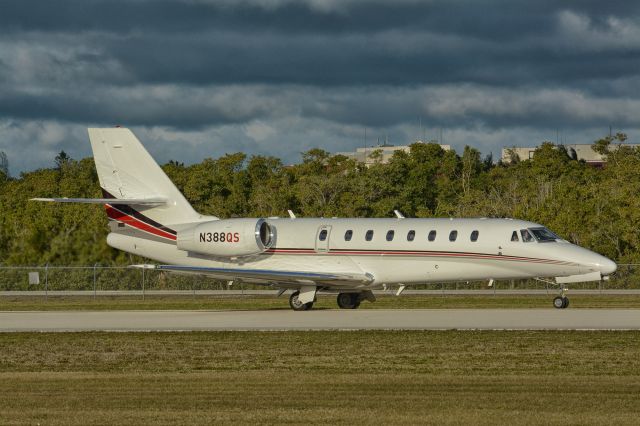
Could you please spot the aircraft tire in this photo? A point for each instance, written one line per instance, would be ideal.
(561, 302)
(296, 305)
(348, 300)
(558, 302)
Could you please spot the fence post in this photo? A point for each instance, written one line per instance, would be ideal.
(46, 281)
(143, 268)
(94, 280)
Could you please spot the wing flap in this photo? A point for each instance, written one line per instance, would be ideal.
(269, 276)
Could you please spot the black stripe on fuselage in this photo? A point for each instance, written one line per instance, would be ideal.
(144, 235)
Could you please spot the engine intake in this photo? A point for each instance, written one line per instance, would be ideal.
(228, 237)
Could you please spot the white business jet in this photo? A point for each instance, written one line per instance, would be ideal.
(149, 217)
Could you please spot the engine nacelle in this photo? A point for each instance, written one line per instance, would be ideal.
(227, 237)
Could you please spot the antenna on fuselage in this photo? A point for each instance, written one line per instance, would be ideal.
(398, 214)
(292, 215)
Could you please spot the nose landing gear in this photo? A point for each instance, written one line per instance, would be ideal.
(562, 301)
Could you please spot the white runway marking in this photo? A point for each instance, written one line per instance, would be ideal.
(382, 319)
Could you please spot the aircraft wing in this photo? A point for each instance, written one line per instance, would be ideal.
(269, 276)
(112, 201)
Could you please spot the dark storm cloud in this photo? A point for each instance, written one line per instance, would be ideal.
(399, 58)
(285, 17)
(276, 74)
(487, 19)
(173, 107)
(345, 43)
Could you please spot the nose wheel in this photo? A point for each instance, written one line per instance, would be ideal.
(562, 301)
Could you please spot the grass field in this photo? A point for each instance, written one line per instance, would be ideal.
(13, 303)
(379, 377)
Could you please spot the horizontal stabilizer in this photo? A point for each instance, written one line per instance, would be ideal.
(112, 201)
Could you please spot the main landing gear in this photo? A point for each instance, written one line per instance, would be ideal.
(348, 300)
(303, 299)
(296, 304)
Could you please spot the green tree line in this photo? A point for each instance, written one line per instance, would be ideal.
(597, 208)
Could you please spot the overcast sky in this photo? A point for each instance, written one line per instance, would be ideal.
(200, 78)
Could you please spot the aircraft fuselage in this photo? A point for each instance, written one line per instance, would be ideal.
(406, 251)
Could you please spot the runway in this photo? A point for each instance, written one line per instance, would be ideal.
(364, 319)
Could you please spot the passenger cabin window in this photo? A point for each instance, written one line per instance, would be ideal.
(390, 235)
(474, 236)
(526, 236)
(369, 235)
(348, 235)
(411, 235)
(514, 236)
(323, 235)
(432, 235)
(453, 235)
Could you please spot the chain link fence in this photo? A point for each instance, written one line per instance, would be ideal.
(98, 278)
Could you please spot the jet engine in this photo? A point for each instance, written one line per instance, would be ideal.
(227, 237)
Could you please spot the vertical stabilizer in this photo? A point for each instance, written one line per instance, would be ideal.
(127, 171)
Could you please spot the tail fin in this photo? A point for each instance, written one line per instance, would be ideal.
(127, 171)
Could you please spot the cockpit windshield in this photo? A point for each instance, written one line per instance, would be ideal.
(543, 235)
(526, 236)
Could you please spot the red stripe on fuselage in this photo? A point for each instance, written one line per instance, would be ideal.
(419, 253)
(116, 214)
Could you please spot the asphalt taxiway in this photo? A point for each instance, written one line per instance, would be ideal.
(362, 319)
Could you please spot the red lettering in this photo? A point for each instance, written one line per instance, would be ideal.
(229, 237)
(236, 237)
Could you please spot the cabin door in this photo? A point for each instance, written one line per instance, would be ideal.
(322, 238)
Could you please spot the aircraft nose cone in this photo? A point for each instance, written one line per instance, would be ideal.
(590, 261)
(606, 266)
